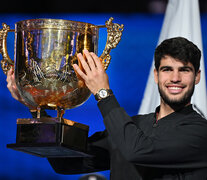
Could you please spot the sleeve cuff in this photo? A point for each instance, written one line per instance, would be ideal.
(106, 105)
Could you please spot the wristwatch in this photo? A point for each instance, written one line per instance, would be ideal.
(103, 93)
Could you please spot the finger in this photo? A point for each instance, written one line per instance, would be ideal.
(11, 81)
(9, 73)
(13, 78)
(10, 86)
(97, 61)
(78, 70)
(13, 90)
(83, 63)
(15, 94)
(90, 59)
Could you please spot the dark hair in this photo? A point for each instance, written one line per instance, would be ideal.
(178, 48)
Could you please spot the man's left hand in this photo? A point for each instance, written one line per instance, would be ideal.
(92, 71)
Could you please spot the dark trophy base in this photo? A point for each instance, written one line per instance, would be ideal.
(51, 137)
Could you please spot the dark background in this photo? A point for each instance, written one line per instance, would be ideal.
(128, 70)
(92, 6)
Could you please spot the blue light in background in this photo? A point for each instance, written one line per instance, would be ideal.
(128, 73)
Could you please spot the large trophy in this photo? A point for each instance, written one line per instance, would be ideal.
(45, 50)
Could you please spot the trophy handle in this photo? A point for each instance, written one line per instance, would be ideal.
(114, 33)
(6, 62)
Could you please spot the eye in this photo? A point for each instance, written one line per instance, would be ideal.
(166, 69)
(185, 69)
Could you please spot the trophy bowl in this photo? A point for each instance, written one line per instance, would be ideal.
(45, 50)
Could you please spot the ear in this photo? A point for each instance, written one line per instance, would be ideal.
(156, 76)
(198, 77)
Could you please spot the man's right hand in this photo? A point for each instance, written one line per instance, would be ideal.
(11, 85)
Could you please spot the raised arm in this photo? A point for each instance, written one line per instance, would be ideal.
(182, 145)
(178, 146)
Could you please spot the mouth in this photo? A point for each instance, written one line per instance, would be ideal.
(175, 89)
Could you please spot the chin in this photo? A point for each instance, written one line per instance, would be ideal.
(181, 102)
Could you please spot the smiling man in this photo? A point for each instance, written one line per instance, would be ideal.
(168, 144)
(176, 81)
(177, 62)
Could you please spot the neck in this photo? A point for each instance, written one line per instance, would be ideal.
(166, 109)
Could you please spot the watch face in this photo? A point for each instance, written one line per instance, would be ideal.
(103, 93)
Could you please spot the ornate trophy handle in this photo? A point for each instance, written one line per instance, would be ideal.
(6, 62)
(114, 33)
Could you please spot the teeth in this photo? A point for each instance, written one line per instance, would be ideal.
(175, 88)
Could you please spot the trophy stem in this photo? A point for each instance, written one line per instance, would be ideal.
(60, 112)
(38, 112)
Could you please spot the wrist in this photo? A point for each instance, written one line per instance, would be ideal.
(103, 94)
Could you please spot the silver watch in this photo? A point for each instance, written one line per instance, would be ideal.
(103, 93)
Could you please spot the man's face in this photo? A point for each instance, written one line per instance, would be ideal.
(176, 81)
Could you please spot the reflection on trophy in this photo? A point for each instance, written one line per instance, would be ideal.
(45, 50)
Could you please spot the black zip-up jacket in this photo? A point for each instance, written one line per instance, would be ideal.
(138, 148)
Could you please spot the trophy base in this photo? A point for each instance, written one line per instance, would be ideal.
(51, 137)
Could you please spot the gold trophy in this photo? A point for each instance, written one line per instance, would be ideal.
(45, 50)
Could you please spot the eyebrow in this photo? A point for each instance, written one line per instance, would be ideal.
(165, 67)
(180, 68)
(186, 67)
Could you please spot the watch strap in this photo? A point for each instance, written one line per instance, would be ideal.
(98, 98)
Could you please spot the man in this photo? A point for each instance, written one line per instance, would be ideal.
(167, 144)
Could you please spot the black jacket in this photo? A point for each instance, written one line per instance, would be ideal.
(137, 147)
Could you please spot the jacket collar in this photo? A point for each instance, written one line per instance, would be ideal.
(177, 114)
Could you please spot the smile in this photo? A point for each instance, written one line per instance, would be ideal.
(175, 89)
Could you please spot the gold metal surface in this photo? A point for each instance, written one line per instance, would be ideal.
(6, 63)
(45, 51)
(114, 33)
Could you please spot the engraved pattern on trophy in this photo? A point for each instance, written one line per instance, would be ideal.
(46, 77)
(45, 50)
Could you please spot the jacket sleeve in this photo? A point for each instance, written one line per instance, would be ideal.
(99, 160)
(183, 146)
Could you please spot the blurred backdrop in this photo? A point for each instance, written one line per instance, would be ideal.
(128, 71)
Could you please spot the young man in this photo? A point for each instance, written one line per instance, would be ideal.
(167, 144)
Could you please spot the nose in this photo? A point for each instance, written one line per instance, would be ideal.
(175, 77)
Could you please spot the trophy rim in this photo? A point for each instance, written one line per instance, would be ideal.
(28, 22)
(34, 19)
